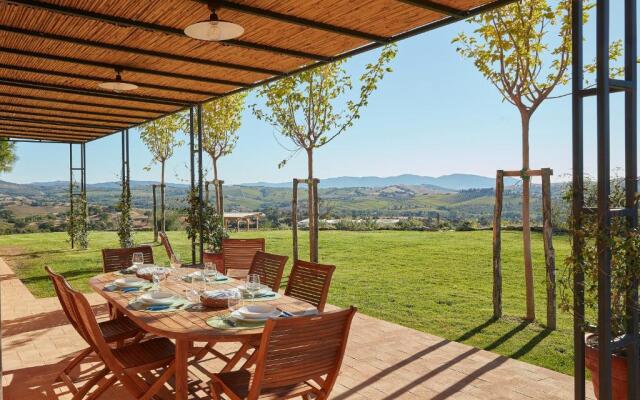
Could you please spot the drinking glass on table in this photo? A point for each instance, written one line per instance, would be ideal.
(156, 277)
(137, 259)
(174, 264)
(234, 301)
(252, 285)
(175, 261)
(210, 271)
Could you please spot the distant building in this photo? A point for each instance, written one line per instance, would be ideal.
(246, 218)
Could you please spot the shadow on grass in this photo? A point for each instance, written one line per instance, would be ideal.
(69, 275)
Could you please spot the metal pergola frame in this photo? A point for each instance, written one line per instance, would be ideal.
(605, 86)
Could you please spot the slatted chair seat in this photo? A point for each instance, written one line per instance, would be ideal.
(116, 259)
(239, 382)
(297, 357)
(118, 329)
(158, 351)
(238, 255)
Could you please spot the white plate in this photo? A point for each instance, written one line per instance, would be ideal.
(162, 298)
(130, 282)
(257, 311)
(237, 316)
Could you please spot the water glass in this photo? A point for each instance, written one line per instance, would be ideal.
(234, 301)
(156, 277)
(137, 259)
(252, 284)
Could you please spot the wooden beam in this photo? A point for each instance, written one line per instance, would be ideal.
(531, 172)
(111, 19)
(80, 103)
(291, 19)
(28, 112)
(42, 135)
(437, 7)
(58, 118)
(73, 111)
(27, 128)
(549, 251)
(66, 125)
(112, 67)
(93, 93)
(101, 79)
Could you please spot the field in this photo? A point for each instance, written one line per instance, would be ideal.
(436, 282)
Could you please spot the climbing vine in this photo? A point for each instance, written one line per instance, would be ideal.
(77, 222)
(125, 223)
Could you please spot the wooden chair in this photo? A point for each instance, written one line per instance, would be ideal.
(113, 331)
(238, 255)
(164, 239)
(116, 259)
(298, 357)
(126, 362)
(269, 267)
(310, 282)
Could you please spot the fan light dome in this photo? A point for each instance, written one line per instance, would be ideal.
(118, 85)
(214, 29)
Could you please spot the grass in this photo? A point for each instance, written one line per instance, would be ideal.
(436, 282)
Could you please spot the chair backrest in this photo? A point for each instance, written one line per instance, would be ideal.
(310, 282)
(269, 267)
(116, 259)
(164, 239)
(89, 325)
(238, 253)
(66, 302)
(299, 349)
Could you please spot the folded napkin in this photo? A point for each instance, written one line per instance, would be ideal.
(218, 294)
(198, 277)
(116, 288)
(259, 295)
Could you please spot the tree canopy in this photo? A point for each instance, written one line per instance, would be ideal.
(7, 155)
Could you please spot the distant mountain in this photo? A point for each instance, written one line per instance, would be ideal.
(445, 182)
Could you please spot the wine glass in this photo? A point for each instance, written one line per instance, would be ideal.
(137, 259)
(252, 284)
(210, 270)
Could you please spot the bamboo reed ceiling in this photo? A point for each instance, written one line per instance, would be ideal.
(54, 53)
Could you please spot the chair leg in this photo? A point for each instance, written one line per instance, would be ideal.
(236, 357)
(251, 360)
(102, 388)
(162, 379)
(64, 375)
(90, 384)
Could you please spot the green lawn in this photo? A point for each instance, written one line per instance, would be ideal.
(436, 282)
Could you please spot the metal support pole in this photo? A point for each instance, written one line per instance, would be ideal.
(200, 182)
(313, 185)
(71, 192)
(631, 184)
(604, 189)
(155, 213)
(192, 176)
(578, 197)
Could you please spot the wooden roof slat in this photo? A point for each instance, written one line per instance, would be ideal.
(291, 19)
(100, 79)
(135, 50)
(98, 64)
(28, 129)
(438, 7)
(54, 123)
(93, 93)
(64, 118)
(128, 117)
(81, 103)
(44, 136)
(158, 28)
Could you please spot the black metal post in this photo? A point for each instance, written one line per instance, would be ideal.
(193, 178)
(71, 193)
(604, 189)
(578, 198)
(200, 183)
(631, 184)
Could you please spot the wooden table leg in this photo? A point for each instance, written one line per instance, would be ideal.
(182, 353)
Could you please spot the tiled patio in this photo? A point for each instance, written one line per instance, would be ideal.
(383, 360)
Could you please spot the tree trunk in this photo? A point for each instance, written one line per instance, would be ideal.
(526, 225)
(313, 249)
(162, 220)
(215, 186)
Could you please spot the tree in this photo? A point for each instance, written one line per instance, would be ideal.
(221, 120)
(161, 138)
(515, 49)
(7, 155)
(303, 108)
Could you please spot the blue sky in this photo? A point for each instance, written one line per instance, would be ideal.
(434, 115)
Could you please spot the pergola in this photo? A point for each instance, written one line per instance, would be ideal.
(54, 53)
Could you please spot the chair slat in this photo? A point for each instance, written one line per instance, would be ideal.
(269, 267)
(116, 259)
(238, 254)
(310, 282)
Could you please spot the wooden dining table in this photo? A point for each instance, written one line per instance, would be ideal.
(189, 325)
